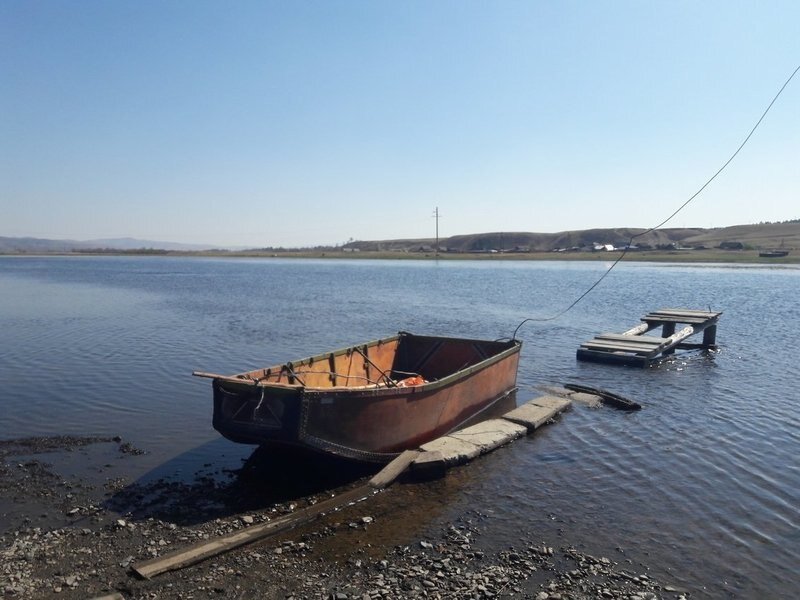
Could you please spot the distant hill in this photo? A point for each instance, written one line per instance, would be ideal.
(40, 245)
(764, 235)
(756, 236)
(770, 235)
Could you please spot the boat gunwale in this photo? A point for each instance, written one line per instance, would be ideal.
(375, 389)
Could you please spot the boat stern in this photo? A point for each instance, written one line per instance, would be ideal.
(256, 414)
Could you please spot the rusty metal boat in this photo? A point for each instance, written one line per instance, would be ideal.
(370, 401)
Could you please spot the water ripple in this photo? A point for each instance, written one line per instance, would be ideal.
(702, 485)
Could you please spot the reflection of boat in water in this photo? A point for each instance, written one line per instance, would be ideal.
(367, 402)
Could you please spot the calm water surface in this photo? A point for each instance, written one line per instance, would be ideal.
(702, 486)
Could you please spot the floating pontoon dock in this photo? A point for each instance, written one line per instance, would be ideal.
(633, 347)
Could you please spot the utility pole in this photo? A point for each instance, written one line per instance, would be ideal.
(436, 216)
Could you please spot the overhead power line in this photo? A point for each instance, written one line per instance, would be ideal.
(668, 219)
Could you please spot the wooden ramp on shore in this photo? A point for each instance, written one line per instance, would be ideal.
(633, 347)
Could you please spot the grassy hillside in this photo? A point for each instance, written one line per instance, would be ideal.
(762, 236)
(755, 236)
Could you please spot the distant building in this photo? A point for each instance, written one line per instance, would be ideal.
(731, 246)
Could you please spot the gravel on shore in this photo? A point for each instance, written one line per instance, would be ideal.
(68, 538)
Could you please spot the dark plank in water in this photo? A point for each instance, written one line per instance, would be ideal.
(668, 319)
(686, 312)
(679, 316)
(607, 397)
(619, 346)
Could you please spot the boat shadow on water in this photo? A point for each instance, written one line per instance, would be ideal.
(270, 479)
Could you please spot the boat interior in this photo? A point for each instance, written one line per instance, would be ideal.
(400, 361)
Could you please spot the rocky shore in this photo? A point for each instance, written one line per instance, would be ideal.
(68, 537)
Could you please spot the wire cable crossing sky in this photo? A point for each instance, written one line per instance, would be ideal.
(299, 124)
(663, 222)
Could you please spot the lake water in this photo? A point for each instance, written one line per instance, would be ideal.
(702, 486)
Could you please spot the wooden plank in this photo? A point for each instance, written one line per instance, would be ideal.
(687, 312)
(621, 344)
(632, 339)
(656, 320)
(613, 349)
(552, 402)
(612, 357)
(555, 390)
(537, 412)
(453, 451)
(491, 434)
(620, 347)
(206, 549)
(675, 318)
(224, 378)
(429, 464)
(632, 347)
(607, 397)
(587, 399)
(393, 470)
(679, 315)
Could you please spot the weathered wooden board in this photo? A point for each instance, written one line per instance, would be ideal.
(590, 400)
(681, 315)
(453, 451)
(609, 356)
(429, 464)
(621, 344)
(633, 339)
(488, 435)
(206, 549)
(462, 446)
(605, 396)
(555, 390)
(620, 347)
(553, 402)
(393, 470)
(634, 348)
(201, 551)
(536, 413)
(687, 312)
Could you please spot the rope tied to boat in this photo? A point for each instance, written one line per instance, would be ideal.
(260, 402)
(389, 381)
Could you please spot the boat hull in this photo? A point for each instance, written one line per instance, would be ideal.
(371, 422)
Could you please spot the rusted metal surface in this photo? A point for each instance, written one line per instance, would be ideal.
(348, 402)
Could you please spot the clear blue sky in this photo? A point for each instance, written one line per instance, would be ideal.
(301, 123)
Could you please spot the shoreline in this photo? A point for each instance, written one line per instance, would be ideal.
(68, 537)
(666, 256)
